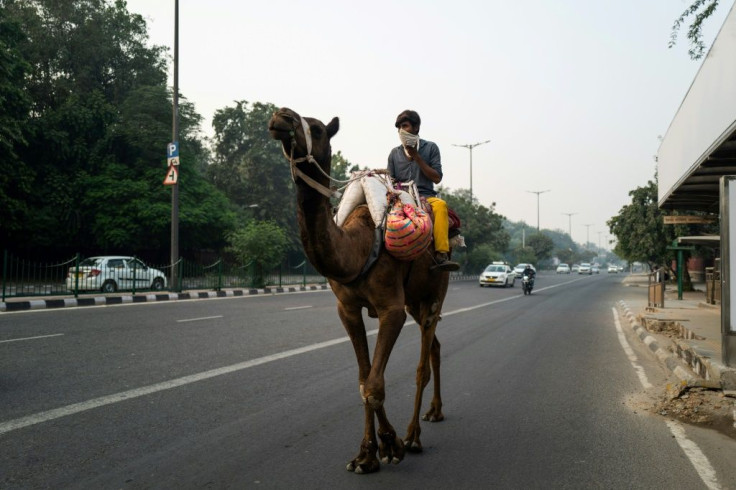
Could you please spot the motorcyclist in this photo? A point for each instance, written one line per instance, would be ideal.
(530, 273)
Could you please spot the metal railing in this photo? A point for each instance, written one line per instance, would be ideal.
(24, 278)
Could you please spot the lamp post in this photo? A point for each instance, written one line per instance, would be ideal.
(470, 147)
(174, 138)
(587, 236)
(569, 223)
(538, 193)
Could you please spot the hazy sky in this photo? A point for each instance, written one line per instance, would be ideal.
(573, 94)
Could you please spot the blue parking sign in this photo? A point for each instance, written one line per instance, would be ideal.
(172, 150)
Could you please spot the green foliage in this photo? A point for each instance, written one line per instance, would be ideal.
(524, 255)
(250, 168)
(640, 230)
(542, 246)
(479, 257)
(89, 163)
(16, 177)
(480, 225)
(700, 10)
(261, 242)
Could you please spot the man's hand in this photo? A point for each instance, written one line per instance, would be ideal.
(412, 152)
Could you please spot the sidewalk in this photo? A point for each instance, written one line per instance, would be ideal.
(684, 334)
(47, 302)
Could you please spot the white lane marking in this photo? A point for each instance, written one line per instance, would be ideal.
(297, 308)
(630, 352)
(695, 455)
(692, 451)
(49, 415)
(199, 319)
(40, 417)
(32, 338)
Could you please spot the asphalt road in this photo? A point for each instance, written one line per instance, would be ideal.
(261, 392)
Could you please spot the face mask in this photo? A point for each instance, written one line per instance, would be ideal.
(408, 139)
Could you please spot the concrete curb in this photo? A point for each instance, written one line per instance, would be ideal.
(41, 304)
(666, 356)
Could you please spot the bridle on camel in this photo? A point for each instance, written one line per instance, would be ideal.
(296, 172)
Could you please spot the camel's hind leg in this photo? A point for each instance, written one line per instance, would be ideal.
(435, 408)
(429, 315)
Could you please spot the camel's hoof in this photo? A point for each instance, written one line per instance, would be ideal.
(364, 468)
(433, 416)
(413, 446)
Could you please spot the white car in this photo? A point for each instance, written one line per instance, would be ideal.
(585, 268)
(612, 268)
(112, 273)
(497, 274)
(563, 269)
(519, 269)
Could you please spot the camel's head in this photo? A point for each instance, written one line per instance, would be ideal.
(302, 137)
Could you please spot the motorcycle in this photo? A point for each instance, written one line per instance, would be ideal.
(527, 284)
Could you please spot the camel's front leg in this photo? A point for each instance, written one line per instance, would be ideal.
(352, 319)
(391, 321)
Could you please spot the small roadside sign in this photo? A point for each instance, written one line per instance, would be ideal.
(172, 176)
(172, 153)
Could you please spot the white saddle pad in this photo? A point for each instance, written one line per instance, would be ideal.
(368, 188)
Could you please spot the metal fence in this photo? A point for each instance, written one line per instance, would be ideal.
(75, 276)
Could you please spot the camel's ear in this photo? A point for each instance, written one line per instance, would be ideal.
(333, 127)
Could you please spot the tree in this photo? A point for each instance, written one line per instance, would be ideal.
(261, 244)
(700, 10)
(542, 246)
(480, 225)
(249, 166)
(16, 177)
(97, 124)
(640, 230)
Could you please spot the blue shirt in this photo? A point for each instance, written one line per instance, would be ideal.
(404, 170)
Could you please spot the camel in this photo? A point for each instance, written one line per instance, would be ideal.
(388, 290)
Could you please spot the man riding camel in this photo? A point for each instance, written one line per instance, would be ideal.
(419, 160)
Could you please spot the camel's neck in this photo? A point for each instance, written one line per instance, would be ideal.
(328, 248)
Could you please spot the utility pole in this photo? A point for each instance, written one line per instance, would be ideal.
(587, 235)
(538, 193)
(174, 285)
(470, 147)
(569, 224)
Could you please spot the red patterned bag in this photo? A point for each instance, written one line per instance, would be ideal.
(408, 230)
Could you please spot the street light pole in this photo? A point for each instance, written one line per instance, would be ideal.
(174, 285)
(470, 147)
(587, 236)
(538, 193)
(569, 223)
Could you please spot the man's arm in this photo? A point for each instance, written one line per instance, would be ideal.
(428, 171)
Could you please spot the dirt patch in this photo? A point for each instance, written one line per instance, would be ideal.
(699, 406)
(670, 329)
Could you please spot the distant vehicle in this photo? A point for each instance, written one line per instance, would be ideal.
(612, 268)
(595, 269)
(575, 268)
(563, 269)
(497, 274)
(585, 268)
(112, 273)
(519, 269)
(527, 284)
(620, 268)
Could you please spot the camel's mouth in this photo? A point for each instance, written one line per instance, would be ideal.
(279, 128)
